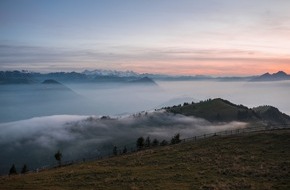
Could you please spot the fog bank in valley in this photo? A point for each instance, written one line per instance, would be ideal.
(19, 102)
(34, 141)
(37, 120)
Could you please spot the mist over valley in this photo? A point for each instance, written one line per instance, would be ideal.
(106, 92)
(88, 119)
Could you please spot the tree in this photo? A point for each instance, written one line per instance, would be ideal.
(140, 143)
(175, 139)
(164, 143)
(155, 142)
(218, 117)
(115, 151)
(147, 142)
(58, 157)
(125, 150)
(24, 169)
(12, 170)
(243, 115)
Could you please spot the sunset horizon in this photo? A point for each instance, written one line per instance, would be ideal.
(219, 38)
(145, 73)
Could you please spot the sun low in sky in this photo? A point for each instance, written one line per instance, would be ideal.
(184, 37)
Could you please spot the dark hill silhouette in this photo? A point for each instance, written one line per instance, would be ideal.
(51, 84)
(281, 75)
(16, 77)
(219, 110)
(25, 77)
(51, 81)
(272, 114)
(144, 80)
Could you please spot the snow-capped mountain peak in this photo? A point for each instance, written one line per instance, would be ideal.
(101, 72)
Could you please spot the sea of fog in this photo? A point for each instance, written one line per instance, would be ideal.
(38, 120)
(120, 100)
(20, 102)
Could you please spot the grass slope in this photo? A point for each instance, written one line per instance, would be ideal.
(248, 161)
(272, 114)
(219, 110)
(216, 110)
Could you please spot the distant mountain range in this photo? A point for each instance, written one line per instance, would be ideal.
(23, 77)
(272, 77)
(219, 110)
(100, 72)
(95, 76)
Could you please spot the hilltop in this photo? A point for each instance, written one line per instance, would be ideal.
(144, 80)
(250, 161)
(51, 81)
(220, 110)
(280, 75)
(272, 114)
(51, 84)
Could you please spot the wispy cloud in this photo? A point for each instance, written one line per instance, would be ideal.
(152, 33)
(141, 59)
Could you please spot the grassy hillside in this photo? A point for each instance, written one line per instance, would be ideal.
(272, 114)
(249, 161)
(219, 110)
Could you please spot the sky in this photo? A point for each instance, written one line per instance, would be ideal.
(184, 37)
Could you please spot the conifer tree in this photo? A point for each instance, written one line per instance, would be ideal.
(175, 139)
(12, 170)
(24, 169)
(155, 142)
(147, 142)
(58, 157)
(164, 143)
(115, 151)
(125, 150)
(140, 143)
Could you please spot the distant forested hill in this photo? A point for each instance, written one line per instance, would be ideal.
(219, 110)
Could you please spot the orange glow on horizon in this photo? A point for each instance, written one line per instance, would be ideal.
(212, 68)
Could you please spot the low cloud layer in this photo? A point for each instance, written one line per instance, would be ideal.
(35, 141)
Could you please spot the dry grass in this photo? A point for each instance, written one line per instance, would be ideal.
(251, 161)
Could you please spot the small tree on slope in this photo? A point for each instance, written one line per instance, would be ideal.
(58, 157)
(12, 170)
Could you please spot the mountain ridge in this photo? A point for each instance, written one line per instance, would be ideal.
(99, 75)
(220, 110)
(280, 75)
(24, 77)
(51, 81)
